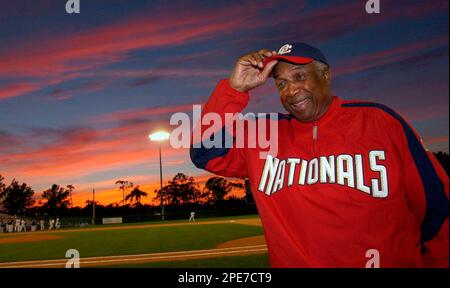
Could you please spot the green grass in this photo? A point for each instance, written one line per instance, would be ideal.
(128, 241)
(249, 261)
(197, 219)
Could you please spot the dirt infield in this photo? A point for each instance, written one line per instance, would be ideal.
(253, 222)
(242, 242)
(36, 237)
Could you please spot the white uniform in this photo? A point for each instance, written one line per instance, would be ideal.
(58, 223)
(192, 218)
(17, 225)
(10, 226)
(23, 227)
(52, 224)
(42, 222)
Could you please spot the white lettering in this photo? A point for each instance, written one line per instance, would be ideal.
(360, 175)
(270, 168)
(292, 162)
(377, 191)
(345, 171)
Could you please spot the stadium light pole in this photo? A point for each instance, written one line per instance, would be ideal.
(93, 206)
(159, 137)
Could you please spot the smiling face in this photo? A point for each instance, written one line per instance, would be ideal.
(304, 89)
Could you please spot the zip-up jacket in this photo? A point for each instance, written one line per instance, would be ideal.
(356, 188)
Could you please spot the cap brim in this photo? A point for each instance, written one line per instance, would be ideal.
(292, 59)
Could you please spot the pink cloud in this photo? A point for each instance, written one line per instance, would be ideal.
(434, 140)
(388, 56)
(60, 94)
(133, 114)
(87, 151)
(17, 89)
(103, 45)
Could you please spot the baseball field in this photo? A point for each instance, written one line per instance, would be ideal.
(224, 242)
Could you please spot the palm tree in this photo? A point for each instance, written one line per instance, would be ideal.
(124, 185)
(135, 196)
(70, 188)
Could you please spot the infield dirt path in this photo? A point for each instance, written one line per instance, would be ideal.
(29, 238)
(238, 247)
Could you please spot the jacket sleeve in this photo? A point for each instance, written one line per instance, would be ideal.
(222, 157)
(427, 193)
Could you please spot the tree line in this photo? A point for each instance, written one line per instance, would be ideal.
(182, 190)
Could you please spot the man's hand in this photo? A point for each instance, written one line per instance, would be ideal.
(249, 72)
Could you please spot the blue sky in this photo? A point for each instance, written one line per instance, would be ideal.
(80, 93)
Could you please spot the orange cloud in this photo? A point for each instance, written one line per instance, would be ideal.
(86, 151)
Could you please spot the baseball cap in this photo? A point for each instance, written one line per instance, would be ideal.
(298, 53)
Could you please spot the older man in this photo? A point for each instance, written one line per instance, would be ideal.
(351, 184)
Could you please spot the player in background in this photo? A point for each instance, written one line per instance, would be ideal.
(58, 224)
(51, 225)
(23, 226)
(16, 224)
(192, 217)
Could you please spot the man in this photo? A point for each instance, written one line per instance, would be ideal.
(51, 224)
(351, 184)
(58, 224)
(17, 224)
(10, 226)
(192, 217)
(23, 226)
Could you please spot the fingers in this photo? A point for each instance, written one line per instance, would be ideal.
(266, 53)
(256, 59)
(268, 69)
(261, 55)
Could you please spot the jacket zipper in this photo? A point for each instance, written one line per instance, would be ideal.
(315, 137)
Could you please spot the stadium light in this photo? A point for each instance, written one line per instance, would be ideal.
(159, 137)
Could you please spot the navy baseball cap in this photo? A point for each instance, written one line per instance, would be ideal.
(298, 53)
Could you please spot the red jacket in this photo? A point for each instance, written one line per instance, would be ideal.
(355, 180)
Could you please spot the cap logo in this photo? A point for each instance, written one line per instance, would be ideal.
(287, 48)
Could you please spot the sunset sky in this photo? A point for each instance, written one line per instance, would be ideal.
(80, 93)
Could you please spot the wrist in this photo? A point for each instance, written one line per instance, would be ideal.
(237, 87)
(232, 93)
